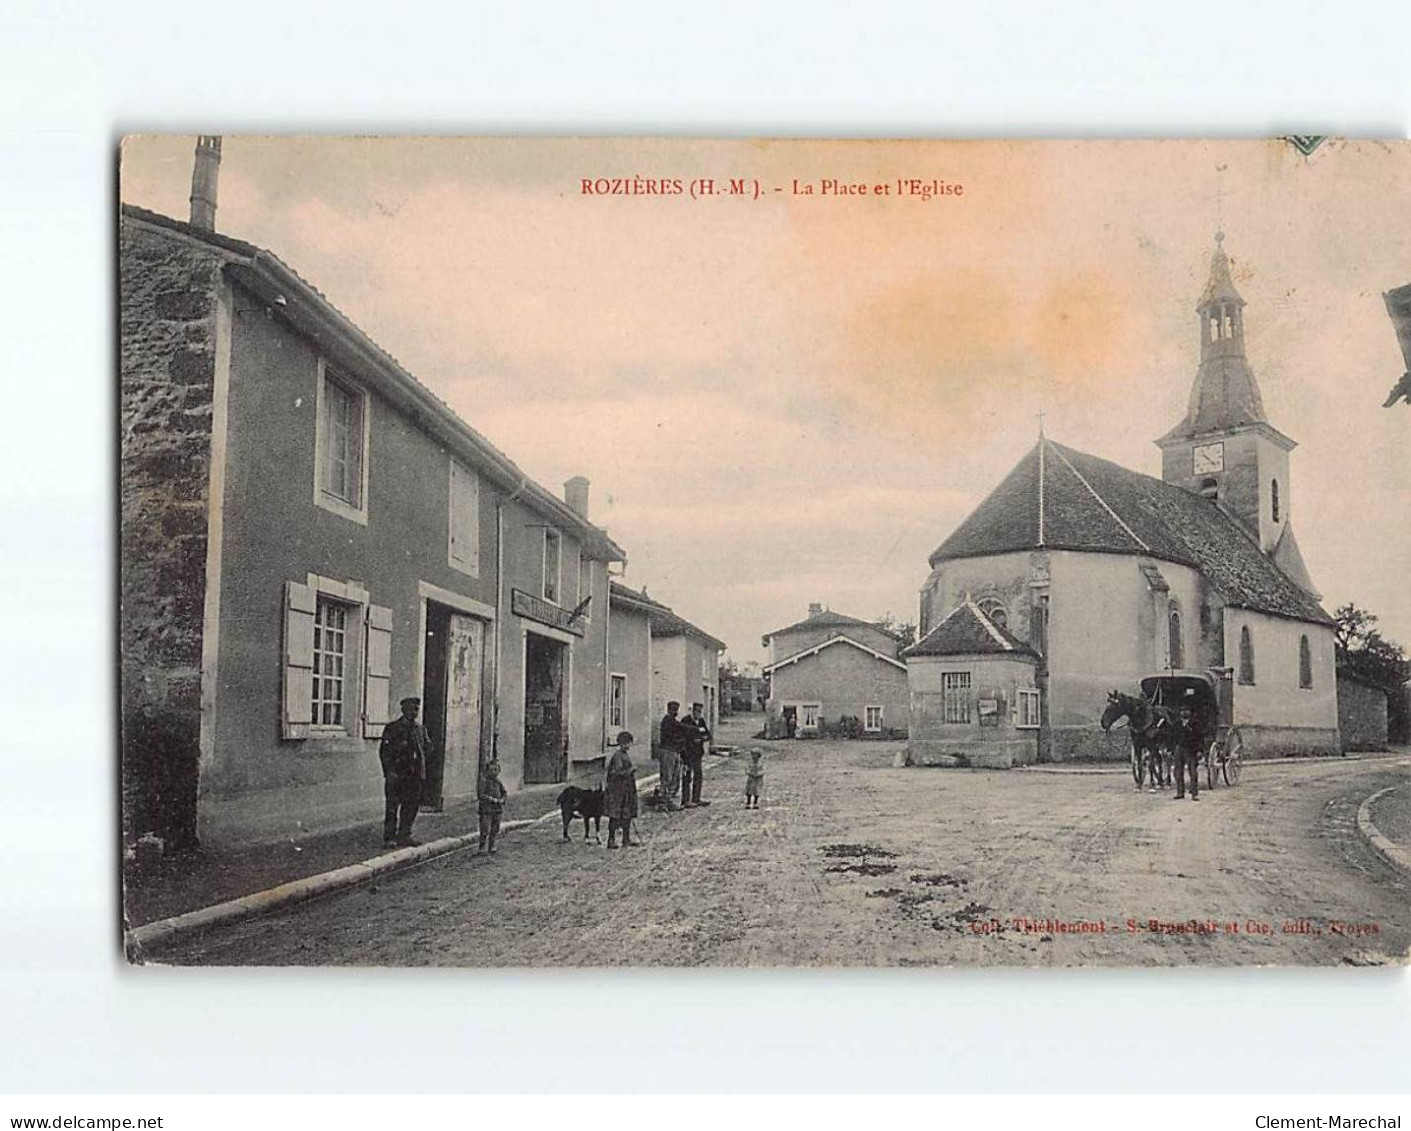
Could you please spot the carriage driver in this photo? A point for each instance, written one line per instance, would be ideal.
(1187, 751)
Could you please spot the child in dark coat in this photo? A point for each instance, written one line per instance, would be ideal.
(491, 792)
(620, 792)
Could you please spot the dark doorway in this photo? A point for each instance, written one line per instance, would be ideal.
(791, 721)
(545, 742)
(433, 703)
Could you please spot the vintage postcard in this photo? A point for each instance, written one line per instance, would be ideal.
(747, 553)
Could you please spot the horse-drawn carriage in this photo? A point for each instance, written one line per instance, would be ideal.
(1176, 708)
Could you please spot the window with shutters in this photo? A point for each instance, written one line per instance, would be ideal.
(464, 550)
(336, 659)
(955, 696)
(340, 446)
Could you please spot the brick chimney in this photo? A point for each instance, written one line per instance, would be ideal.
(814, 609)
(204, 176)
(575, 494)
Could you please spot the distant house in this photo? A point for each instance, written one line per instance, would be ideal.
(656, 656)
(829, 667)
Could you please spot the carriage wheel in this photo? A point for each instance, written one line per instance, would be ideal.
(1212, 763)
(1234, 758)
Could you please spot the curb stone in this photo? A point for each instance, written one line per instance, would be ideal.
(1397, 857)
(163, 931)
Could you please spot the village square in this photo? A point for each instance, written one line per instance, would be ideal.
(381, 688)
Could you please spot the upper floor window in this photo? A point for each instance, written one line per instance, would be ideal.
(464, 549)
(553, 565)
(1246, 655)
(1305, 663)
(1274, 498)
(340, 446)
(993, 608)
(617, 702)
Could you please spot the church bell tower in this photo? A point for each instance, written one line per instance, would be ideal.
(1225, 449)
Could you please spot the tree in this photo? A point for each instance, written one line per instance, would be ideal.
(904, 631)
(1366, 652)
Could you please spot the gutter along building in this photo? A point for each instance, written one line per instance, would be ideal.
(307, 535)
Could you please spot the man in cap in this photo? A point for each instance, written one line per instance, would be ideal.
(403, 756)
(669, 753)
(695, 734)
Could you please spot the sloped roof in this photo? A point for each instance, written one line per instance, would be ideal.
(1058, 498)
(829, 619)
(829, 643)
(1225, 395)
(306, 306)
(664, 620)
(1219, 287)
(967, 631)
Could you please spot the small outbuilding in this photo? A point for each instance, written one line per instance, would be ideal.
(974, 696)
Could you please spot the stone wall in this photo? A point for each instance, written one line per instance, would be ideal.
(1362, 715)
(167, 301)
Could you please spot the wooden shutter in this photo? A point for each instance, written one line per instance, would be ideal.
(377, 679)
(297, 714)
(465, 519)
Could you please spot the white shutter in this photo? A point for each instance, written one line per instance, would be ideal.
(465, 519)
(378, 671)
(297, 714)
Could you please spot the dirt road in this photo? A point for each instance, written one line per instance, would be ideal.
(850, 861)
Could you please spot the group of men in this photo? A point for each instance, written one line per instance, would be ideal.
(681, 752)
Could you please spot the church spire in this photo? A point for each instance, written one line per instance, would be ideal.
(1225, 394)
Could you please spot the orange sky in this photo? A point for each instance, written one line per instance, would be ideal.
(796, 398)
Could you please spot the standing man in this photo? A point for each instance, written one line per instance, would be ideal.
(696, 735)
(670, 755)
(403, 756)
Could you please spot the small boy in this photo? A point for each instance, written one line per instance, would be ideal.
(754, 778)
(491, 792)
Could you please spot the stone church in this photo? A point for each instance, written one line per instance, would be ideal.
(1102, 575)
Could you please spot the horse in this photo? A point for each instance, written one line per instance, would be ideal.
(1155, 731)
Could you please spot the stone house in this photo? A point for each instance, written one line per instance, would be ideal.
(831, 666)
(658, 656)
(974, 693)
(1109, 575)
(308, 535)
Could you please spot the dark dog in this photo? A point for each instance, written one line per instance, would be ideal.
(585, 803)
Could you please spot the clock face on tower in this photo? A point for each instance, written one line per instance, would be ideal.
(1208, 458)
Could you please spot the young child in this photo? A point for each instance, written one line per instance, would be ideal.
(754, 778)
(620, 792)
(491, 792)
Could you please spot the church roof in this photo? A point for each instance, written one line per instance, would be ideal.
(967, 631)
(1058, 498)
(1225, 395)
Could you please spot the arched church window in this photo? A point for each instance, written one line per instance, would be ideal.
(1214, 328)
(993, 608)
(1305, 663)
(1178, 652)
(1274, 498)
(1246, 655)
(1209, 489)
